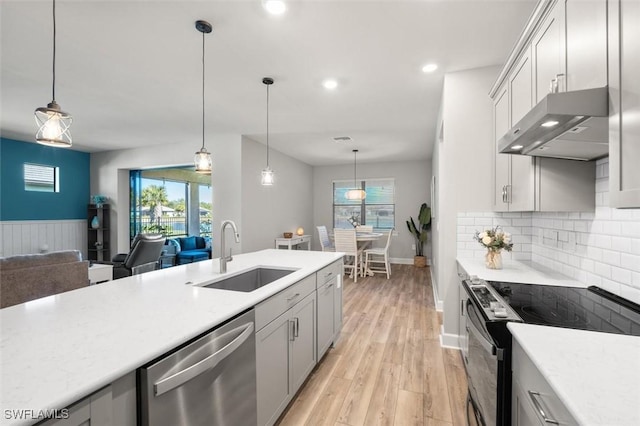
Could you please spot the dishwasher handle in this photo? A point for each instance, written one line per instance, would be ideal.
(183, 376)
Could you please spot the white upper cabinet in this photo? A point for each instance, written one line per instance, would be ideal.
(586, 22)
(548, 53)
(624, 93)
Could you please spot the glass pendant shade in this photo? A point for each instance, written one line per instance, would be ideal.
(53, 126)
(202, 161)
(356, 194)
(268, 177)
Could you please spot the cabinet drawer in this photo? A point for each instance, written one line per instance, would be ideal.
(535, 390)
(277, 304)
(328, 273)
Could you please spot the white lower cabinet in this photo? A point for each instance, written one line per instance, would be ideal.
(533, 401)
(112, 405)
(285, 355)
(329, 306)
(94, 410)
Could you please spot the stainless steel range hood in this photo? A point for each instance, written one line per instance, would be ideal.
(572, 125)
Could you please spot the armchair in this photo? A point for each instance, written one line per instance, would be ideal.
(142, 257)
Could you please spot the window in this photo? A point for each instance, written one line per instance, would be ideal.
(377, 209)
(41, 178)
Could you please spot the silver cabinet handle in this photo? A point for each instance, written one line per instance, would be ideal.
(507, 192)
(292, 330)
(516, 131)
(289, 299)
(538, 405)
(296, 327)
(461, 308)
(183, 376)
(504, 193)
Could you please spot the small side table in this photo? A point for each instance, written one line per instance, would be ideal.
(99, 273)
(294, 242)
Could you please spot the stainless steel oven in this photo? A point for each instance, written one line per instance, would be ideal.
(491, 305)
(487, 363)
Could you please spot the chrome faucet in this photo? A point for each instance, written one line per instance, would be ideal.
(224, 259)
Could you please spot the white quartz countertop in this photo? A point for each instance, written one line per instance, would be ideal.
(596, 375)
(59, 349)
(517, 272)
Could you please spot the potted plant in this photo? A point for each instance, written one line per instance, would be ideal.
(420, 234)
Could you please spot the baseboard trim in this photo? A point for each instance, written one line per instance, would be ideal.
(436, 298)
(448, 340)
(405, 261)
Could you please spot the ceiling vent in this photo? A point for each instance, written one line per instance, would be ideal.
(343, 139)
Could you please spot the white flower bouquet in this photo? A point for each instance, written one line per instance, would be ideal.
(494, 239)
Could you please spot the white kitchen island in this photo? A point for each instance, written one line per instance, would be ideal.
(59, 349)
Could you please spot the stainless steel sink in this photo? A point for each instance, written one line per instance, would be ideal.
(250, 280)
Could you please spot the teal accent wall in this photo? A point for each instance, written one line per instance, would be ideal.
(18, 204)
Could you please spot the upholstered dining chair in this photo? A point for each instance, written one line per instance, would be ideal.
(376, 260)
(345, 241)
(323, 236)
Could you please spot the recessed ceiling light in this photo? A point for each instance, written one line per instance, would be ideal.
(330, 84)
(516, 147)
(550, 123)
(430, 68)
(274, 7)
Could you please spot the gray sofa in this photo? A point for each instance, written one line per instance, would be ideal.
(32, 276)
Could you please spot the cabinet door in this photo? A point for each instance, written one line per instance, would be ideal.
(624, 90)
(95, 410)
(520, 89)
(303, 345)
(501, 161)
(462, 324)
(272, 368)
(522, 414)
(548, 51)
(326, 317)
(586, 34)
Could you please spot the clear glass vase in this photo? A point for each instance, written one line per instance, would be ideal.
(493, 259)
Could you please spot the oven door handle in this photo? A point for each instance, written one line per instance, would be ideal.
(486, 345)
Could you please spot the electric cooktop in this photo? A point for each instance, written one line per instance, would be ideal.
(589, 308)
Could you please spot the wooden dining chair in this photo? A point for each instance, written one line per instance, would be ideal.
(323, 236)
(376, 260)
(345, 241)
(364, 228)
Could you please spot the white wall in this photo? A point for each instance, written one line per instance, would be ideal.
(463, 175)
(268, 211)
(110, 177)
(412, 180)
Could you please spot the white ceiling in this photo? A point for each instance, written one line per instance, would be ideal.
(130, 71)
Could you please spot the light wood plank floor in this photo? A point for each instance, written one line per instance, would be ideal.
(388, 367)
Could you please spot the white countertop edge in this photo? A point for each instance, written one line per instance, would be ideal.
(304, 264)
(535, 341)
(518, 271)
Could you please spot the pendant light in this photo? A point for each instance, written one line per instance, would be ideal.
(202, 158)
(53, 123)
(355, 193)
(268, 176)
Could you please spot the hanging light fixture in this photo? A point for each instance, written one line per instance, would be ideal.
(203, 157)
(53, 123)
(267, 174)
(355, 193)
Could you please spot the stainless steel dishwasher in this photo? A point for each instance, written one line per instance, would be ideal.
(211, 381)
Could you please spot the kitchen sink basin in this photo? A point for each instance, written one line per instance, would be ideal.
(250, 280)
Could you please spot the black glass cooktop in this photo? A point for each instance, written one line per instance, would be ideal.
(590, 308)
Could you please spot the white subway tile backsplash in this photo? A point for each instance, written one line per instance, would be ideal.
(599, 248)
